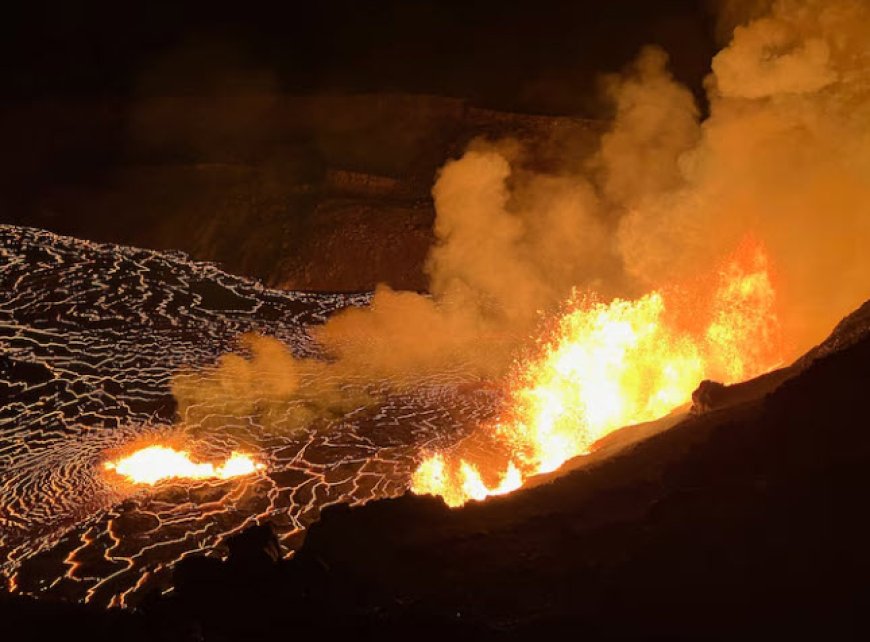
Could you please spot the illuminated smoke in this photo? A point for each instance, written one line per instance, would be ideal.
(608, 365)
(784, 157)
(785, 153)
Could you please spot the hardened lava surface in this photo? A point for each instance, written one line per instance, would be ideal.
(91, 336)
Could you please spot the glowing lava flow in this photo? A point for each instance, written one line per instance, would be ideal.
(609, 365)
(157, 463)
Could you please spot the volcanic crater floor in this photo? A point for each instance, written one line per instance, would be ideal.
(92, 336)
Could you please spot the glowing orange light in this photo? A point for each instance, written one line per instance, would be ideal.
(609, 365)
(157, 463)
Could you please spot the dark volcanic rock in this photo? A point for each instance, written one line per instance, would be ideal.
(849, 331)
(707, 396)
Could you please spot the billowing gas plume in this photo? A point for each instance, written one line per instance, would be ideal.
(783, 158)
(785, 153)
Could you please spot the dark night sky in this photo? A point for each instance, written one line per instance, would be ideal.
(540, 56)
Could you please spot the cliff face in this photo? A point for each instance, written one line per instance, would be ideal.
(305, 192)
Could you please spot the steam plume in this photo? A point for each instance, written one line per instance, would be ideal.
(784, 155)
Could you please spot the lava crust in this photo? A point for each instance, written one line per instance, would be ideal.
(92, 335)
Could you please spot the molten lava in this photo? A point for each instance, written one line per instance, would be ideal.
(157, 463)
(608, 365)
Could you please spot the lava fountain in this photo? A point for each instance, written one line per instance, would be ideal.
(603, 366)
(158, 463)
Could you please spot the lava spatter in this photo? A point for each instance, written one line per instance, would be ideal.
(154, 464)
(609, 365)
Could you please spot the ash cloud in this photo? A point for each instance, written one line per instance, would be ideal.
(784, 155)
